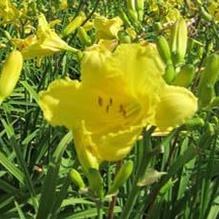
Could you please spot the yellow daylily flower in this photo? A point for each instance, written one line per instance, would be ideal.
(46, 42)
(8, 12)
(10, 74)
(107, 28)
(120, 93)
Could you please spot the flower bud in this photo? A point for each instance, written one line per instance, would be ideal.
(195, 123)
(121, 177)
(140, 9)
(205, 95)
(10, 74)
(76, 178)
(185, 76)
(83, 36)
(132, 10)
(124, 37)
(169, 74)
(208, 79)
(73, 25)
(164, 50)
(211, 72)
(179, 41)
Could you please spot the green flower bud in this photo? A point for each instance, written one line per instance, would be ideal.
(195, 123)
(205, 95)
(211, 71)
(121, 177)
(164, 50)
(179, 41)
(83, 36)
(169, 74)
(76, 178)
(185, 76)
(73, 25)
(124, 37)
(132, 10)
(140, 9)
(208, 79)
(158, 27)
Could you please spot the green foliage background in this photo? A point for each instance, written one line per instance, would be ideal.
(35, 158)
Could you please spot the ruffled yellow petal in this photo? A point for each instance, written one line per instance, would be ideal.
(85, 147)
(115, 146)
(107, 28)
(58, 102)
(176, 105)
(134, 66)
(140, 65)
(93, 149)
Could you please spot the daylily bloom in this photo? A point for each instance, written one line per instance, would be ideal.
(119, 93)
(8, 11)
(45, 43)
(107, 28)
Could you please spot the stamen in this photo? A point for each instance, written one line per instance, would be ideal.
(107, 108)
(121, 109)
(110, 101)
(100, 101)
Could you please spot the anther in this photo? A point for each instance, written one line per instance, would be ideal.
(110, 101)
(107, 108)
(121, 109)
(100, 101)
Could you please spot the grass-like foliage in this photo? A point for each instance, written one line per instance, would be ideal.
(169, 166)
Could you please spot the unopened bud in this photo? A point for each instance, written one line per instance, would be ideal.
(169, 74)
(195, 123)
(121, 177)
(83, 36)
(185, 76)
(10, 74)
(164, 50)
(179, 41)
(132, 10)
(73, 25)
(208, 79)
(140, 9)
(76, 179)
(124, 37)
